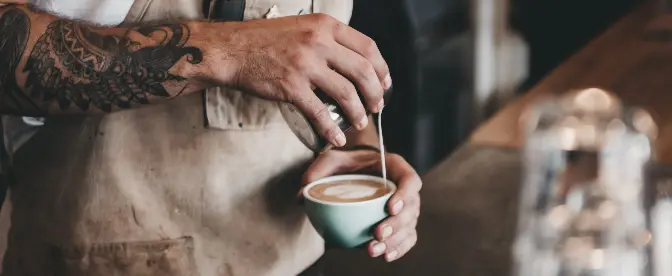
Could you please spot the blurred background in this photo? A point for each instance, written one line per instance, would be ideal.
(454, 62)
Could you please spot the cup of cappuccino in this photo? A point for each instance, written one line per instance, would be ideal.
(345, 209)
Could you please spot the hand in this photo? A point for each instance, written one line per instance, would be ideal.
(396, 235)
(284, 59)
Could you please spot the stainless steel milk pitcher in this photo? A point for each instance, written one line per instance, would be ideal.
(305, 131)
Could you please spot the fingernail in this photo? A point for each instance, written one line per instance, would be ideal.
(391, 256)
(339, 140)
(387, 231)
(379, 249)
(387, 83)
(396, 209)
(381, 104)
(362, 123)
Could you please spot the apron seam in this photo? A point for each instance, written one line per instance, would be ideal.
(143, 13)
(137, 13)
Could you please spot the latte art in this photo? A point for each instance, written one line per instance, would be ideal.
(349, 191)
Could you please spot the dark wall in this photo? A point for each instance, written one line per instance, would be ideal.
(415, 38)
(428, 46)
(387, 23)
(555, 29)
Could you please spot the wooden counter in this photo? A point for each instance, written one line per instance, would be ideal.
(633, 59)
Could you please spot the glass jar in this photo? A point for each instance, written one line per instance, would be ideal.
(582, 207)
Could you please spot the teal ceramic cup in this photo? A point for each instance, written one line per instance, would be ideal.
(347, 224)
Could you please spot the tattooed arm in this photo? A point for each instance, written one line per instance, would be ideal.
(54, 65)
(62, 66)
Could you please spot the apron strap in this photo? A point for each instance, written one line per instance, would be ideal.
(225, 10)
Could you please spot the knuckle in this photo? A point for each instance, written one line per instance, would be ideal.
(365, 68)
(319, 113)
(377, 98)
(285, 75)
(327, 23)
(395, 223)
(310, 37)
(419, 181)
(290, 82)
(289, 76)
(395, 243)
(322, 19)
(325, 125)
(346, 92)
(299, 61)
(369, 48)
(336, 26)
(408, 242)
(288, 89)
(390, 221)
(408, 233)
(330, 129)
(413, 241)
(386, 69)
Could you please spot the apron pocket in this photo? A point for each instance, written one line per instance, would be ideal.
(151, 258)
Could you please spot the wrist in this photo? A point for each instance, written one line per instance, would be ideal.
(219, 66)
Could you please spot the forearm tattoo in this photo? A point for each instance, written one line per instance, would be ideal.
(79, 66)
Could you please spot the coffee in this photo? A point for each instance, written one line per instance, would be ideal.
(349, 191)
(344, 208)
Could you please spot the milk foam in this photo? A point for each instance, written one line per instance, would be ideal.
(350, 191)
(381, 145)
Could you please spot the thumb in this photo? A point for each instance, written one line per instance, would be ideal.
(327, 164)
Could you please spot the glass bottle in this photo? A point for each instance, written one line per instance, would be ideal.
(581, 209)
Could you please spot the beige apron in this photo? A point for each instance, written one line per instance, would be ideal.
(151, 191)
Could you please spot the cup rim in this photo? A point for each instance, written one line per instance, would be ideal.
(348, 177)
